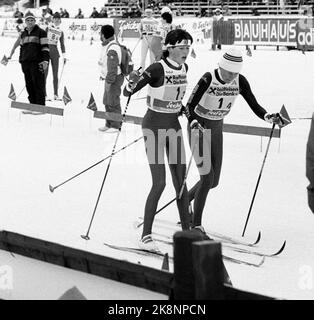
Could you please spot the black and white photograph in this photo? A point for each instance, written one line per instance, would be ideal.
(156, 154)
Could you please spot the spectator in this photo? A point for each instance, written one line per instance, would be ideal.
(79, 14)
(179, 13)
(109, 63)
(217, 28)
(65, 14)
(34, 59)
(18, 14)
(48, 10)
(226, 11)
(94, 14)
(125, 13)
(310, 166)
(61, 12)
(103, 13)
(255, 12)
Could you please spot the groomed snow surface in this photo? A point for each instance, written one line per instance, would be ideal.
(40, 150)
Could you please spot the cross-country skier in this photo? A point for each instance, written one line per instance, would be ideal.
(55, 35)
(147, 28)
(167, 83)
(209, 103)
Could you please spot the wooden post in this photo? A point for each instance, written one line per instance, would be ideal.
(208, 270)
(184, 282)
(199, 272)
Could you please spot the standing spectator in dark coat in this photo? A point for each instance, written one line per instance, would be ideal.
(94, 14)
(18, 14)
(79, 14)
(310, 166)
(34, 58)
(65, 14)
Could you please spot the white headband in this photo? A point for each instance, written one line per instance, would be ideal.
(184, 42)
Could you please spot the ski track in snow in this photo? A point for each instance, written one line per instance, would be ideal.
(39, 150)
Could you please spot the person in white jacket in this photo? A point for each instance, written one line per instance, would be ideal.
(110, 72)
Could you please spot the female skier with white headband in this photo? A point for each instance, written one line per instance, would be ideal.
(167, 83)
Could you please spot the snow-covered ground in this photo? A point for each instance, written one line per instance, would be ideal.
(40, 150)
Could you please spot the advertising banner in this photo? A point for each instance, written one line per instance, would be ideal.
(199, 28)
(305, 34)
(83, 29)
(76, 29)
(127, 28)
(265, 31)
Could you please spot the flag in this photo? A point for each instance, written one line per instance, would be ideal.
(165, 262)
(12, 94)
(4, 60)
(92, 104)
(285, 117)
(66, 97)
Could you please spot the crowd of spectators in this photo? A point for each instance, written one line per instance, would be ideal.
(135, 8)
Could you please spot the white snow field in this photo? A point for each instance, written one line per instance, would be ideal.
(40, 150)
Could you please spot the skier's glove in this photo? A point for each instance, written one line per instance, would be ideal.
(273, 118)
(43, 66)
(194, 125)
(134, 78)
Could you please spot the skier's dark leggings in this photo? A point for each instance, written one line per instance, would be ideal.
(54, 59)
(208, 158)
(162, 132)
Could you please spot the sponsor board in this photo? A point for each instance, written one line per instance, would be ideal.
(76, 29)
(265, 31)
(199, 28)
(127, 28)
(83, 29)
(305, 34)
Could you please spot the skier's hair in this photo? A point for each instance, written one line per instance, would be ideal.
(167, 16)
(176, 36)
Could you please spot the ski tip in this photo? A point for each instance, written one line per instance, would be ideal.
(262, 261)
(51, 188)
(281, 249)
(258, 238)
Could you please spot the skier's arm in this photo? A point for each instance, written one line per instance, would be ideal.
(62, 43)
(140, 29)
(16, 44)
(246, 92)
(153, 75)
(310, 165)
(196, 95)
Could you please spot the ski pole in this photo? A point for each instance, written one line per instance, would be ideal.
(136, 45)
(259, 178)
(301, 118)
(181, 189)
(20, 92)
(59, 81)
(51, 188)
(86, 236)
